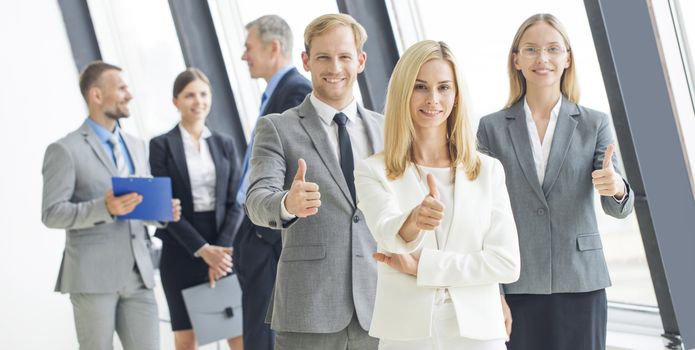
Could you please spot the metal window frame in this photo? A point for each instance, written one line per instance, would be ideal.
(381, 48)
(80, 30)
(201, 49)
(645, 124)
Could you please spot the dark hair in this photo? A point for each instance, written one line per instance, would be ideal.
(91, 74)
(186, 77)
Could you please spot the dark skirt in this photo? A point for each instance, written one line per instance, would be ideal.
(560, 321)
(179, 270)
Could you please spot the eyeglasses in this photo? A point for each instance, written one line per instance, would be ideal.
(532, 51)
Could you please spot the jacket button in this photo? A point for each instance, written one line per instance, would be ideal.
(540, 212)
(132, 235)
(356, 219)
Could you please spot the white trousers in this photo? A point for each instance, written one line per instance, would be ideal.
(445, 335)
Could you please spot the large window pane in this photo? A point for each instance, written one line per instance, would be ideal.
(679, 52)
(481, 42)
(140, 37)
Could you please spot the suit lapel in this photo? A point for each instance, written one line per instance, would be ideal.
(464, 204)
(221, 170)
(175, 142)
(273, 99)
(91, 138)
(518, 133)
(376, 142)
(310, 121)
(562, 138)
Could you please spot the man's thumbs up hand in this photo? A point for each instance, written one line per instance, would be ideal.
(304, 198)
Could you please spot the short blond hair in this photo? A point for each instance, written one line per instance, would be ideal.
(399, 130)
(327, 22)
(569, 86)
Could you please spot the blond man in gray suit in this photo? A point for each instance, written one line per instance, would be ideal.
(106, 265)
(302, 182)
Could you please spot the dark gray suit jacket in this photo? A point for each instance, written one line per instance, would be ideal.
(326, 270)
(561, 249)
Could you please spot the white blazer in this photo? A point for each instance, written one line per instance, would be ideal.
(482, 251)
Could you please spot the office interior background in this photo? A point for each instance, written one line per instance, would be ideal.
(634, 60)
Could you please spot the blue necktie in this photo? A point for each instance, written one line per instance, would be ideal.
(244, 184)
(347, 163)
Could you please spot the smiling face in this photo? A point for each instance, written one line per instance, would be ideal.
(434, 94)
(545, 68)
(113, 95)
(334, 63)
(194, 101)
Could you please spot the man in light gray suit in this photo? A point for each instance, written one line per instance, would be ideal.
(106, 264)
(302, 182)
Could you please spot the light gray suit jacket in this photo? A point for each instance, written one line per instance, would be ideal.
(100, 251)
(326, 270)
(561, 249)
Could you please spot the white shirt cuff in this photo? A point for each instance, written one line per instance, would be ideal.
(284, 214)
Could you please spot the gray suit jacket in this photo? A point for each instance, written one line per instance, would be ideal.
(100, 252)
(326, 268)
(561, 249)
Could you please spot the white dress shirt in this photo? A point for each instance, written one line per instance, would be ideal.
(541, 149)
(356, 130)
(201, 170)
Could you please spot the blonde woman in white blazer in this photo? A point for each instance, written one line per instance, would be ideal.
(440, 213)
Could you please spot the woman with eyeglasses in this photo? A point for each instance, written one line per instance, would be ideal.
(555, 153)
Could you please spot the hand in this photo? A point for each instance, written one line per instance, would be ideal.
(123, 204)
(304, 198)
(605, 180)
(429, 214)
(176, 209)
(219, 260)
(507, 312)
(405, 263)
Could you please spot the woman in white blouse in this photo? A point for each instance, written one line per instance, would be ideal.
(204, 169)
(440, 214)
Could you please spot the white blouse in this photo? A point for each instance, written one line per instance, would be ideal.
(541, 150)
(201, 170)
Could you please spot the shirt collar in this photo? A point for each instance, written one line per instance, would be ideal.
(327, 113)
(102, 133)
(187, 136)
(275, 80)
(553, 112)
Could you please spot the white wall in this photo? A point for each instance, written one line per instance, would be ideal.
(39, 103)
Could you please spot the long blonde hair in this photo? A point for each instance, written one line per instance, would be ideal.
(569, 86)
(398, 126)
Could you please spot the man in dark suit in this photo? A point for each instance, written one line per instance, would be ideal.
(257, 249)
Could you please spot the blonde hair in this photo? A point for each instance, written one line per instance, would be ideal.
(569, 86)
(327, 22)
(398, 126)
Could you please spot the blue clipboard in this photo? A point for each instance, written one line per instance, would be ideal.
(156, 197)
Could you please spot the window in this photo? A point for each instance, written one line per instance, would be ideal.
(140, 37)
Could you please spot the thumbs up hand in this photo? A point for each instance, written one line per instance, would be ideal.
(429, 214)
(605, 180)
(304, 198)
